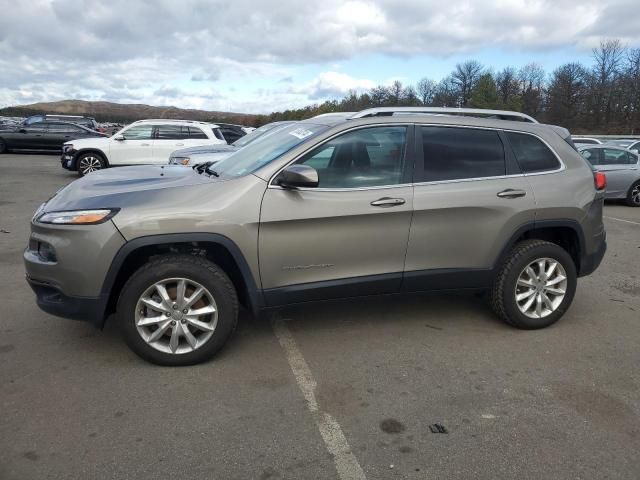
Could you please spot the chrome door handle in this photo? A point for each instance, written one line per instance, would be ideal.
(511, 193)
(387, 202)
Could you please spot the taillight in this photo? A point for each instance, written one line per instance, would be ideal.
(600, 179)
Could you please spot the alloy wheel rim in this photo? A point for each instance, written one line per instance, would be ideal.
(635, 194)
(541, 288)
(90, 164)
(176, 316)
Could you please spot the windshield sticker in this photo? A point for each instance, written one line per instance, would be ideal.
(300, 133)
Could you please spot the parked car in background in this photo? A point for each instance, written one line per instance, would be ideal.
(231, 132)
(145, 142)
(622, 168)
(109, 128)
(214, 153)
(322, 209)
(585, 141)
(45, 135)
(632, 144)
(7, 124)
(87, 122)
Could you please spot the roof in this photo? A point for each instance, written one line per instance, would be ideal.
(172, 121)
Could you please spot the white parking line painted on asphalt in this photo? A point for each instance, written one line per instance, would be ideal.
(622, 220)
(346, 463)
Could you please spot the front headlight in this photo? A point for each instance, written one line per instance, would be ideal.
(67, 147)
(78, 217)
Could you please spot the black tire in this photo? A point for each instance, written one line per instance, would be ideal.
(633, 195)
(89, 160)
(502, 295)
(3, 146)
(196, 269)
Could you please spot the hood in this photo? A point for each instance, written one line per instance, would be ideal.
(123, 186)
(99, 141)
(186, 152)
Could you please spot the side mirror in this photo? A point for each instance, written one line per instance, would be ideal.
(23, 130)
(119, 138)
(636, 151)
(298, 176)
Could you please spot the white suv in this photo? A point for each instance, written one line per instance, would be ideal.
(141, 143)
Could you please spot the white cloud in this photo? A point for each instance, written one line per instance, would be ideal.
(126, 51)
(331, 85)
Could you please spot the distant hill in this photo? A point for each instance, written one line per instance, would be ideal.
(126, 113)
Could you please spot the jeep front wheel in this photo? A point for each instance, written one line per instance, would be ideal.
(535, 285)
(178, 310)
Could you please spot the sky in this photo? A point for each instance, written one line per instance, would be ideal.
(261, 56)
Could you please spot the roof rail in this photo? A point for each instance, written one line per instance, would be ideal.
(472, 112)
(168, 120)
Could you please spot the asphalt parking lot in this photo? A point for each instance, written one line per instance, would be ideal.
(333, 390)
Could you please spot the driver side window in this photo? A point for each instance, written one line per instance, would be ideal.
(139, 132)
(362, 158)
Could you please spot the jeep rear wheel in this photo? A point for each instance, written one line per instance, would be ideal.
(535, 285)
(89, 162)
(178, 310)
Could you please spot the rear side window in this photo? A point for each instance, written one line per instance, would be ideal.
(531, 153)
(231, 134)
(64, 128)
(452, 153)
(616, 157)
(196, 133)
(218, 134)
(172, 132)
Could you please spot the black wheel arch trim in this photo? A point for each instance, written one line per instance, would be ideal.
(254, 294)
(540, 224)
(82, 151)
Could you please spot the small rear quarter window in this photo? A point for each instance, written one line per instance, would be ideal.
(531, 153)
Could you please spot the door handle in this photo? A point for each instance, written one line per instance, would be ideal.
(179, 144)
(387, 202)
(511, 193)
(145, 144)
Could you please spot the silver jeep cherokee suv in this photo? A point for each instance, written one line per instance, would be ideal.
(386, 201)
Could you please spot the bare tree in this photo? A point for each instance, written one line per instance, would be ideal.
(608, 59)
(508, 88)
(465, 77)
(446, 94)
(426, 89)
(379, 96)
(566, 94)
(531, 79)
(631, 89)
(395, 92)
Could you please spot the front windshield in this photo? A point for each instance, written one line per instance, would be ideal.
(257, 154)
(257, 133)
(621, 143)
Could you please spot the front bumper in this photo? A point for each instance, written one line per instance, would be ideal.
(51, 300)
(68, 275)
(68, 159)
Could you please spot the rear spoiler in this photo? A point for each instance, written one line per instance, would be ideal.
(564, 134)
